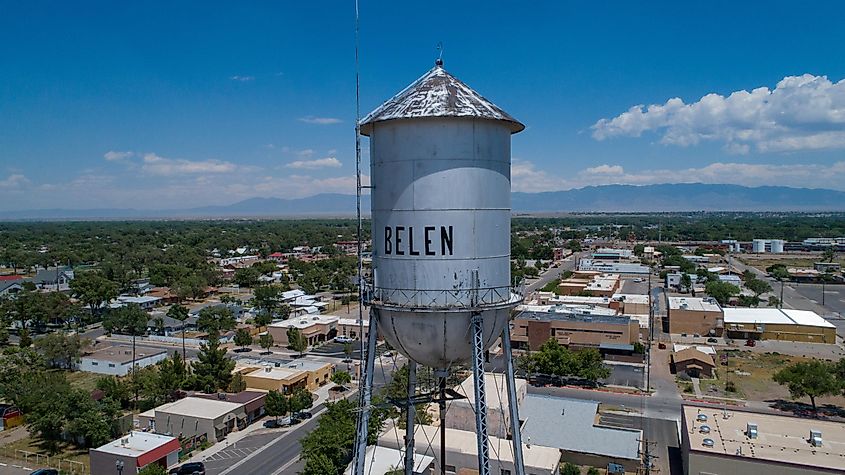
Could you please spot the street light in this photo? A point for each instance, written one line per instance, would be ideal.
(119, 465)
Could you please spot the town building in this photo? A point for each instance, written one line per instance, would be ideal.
(289, 377)
(461, 412)
(117, 360)
(195, 418)
(695, 316)
(10, 285)
(571, 426)
(316, 328)
(146, 302)
(694, 363)
(595, 284)
(575, 327)
(612, 267)
(253, 402)
(725, 442)
(778, 324)
(826, 267)
(136, 451)
(462, 452)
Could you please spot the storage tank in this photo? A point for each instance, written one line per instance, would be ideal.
(441, 208)
(777, 246)
(758, 245)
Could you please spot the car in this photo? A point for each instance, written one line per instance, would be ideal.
(343, 339)
(192, 468)
(45, 471)
(304, 415)
(712, 340)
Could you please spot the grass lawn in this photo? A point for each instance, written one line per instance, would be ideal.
(35, 445)
(751, 373)
(83, 380)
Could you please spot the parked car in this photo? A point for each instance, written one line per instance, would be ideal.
(343, 339)
(192, 468)
(303, 415)
(712, 340)
(750, 343)
(45, 471)
(280, 422)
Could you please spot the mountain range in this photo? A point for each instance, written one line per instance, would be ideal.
(605, 198)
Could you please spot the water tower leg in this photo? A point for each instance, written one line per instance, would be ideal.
(409, 418)
(513, 402)
(441, 375)
(366, 388)
(480, 394)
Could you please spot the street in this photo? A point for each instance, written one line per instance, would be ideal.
(553, 273)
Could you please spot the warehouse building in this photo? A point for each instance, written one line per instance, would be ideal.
(117, 360)
(778, 324)
(135, 451)
(695, 316)
(715, 441)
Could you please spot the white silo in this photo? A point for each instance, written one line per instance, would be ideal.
(441, 290)
(777, 246)
(758, 246)
(441, 209)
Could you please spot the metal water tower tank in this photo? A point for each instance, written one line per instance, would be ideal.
(441, 210)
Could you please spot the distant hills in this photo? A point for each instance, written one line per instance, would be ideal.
(605, 198)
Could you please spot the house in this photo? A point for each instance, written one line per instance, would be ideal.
(117, 360)
(146, 302)
(694, 363)
(778, 324)
(135, 451)
(11, 286)
(53, 278)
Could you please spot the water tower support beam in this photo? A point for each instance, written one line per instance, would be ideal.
(409, 418)
(513, 403)
(366, 388)
(480, 394)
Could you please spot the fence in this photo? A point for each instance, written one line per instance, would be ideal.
(27, 459)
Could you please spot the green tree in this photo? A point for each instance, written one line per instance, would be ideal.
(215, 320)
(722, 292)
(178, 312)
(213, 369)
(115, 389)
(809, 379)
(247, 277)
(341, 378)
(266, 341)
(300, 400)
(129, 319)
(243, 338)
(191, 286)
(266, 301)
(757, 286)
(296, 340)
(593, 471)
(319, 464)
(774, 301)
(172, 374)
(153, 469)
(237, 384)
(556, 360)
(93, 290)
(24, 340)
(570, 468)
(276, 404)
(686, 282)
(334, 436)
(397, 392)
(829, 254)
(61, 351)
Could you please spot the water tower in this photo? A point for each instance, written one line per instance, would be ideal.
(441, 290)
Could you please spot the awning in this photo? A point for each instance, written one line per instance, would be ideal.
(220, 427)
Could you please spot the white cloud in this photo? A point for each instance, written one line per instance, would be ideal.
(320, 120)
(156, 165)
(14, 182)
(242, 78)
(327, 162)
(114, 156)
(525, 176)
(801, 113)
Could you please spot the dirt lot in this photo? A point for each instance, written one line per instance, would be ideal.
(802, 261)
(751, 373)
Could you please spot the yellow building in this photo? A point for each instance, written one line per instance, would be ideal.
(778, 324)
(289, 377)
(695, 316)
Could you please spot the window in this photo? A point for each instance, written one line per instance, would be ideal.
(506, 472)
(94, 363)
(111, 365)
(451, 468)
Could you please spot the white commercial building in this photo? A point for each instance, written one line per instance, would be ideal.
(117, 360)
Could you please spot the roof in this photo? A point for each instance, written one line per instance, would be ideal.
(242, 397)
(640, 299)
(707, 350)
(437, 94)
(137, 443)
(379, 460)
(688, 354)
(199, 408)
(694, 303)
(780, 439)
(276, 373)
(775, 316)
(305, 321)
(10, 277)
(569, 424)
(122, 354)
(534, 455)
(495, 385)
(49, 276)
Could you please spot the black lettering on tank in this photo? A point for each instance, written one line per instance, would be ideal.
(428, 251)
(445, 240)
(399, 251)
(411, 250)
(388, 245)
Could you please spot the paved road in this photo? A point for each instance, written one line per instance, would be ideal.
(553, 273)
(655, 406)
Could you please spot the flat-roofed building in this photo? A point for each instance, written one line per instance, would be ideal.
(253, 402)
(575, 300)
(574, 327)
(593, 284)
(719, 442)
(461, 413)
(136, 451)
(117, 360)
(198, 417)
(288, 377)
(351, 328)
(636, 304)
(380, 460)
(462, 452)
(571, 426)
(695, 316)
(315, 328)
(778, 324)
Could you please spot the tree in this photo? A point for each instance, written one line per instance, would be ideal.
(115, 389)
(266, 300)
(722, 292)
(809, 379)
(829, 254)
(243, 338)
(178, 312)
(396, 392)
(686, 282)
(556, 360)
(153, 469)
(215, 320)
(593, 471)
(172, 374)
(213, 369)
(757, 286)
(266, 341)
(276, 404)
(61, 351)
(237, 384)
(296, 340)
(24, 340)
(93, 290)
(334, 436)
(348, 349)
(342, 378)
(774, 301)
(319, 464)
(246, 277)
(190, 287)
(132, 320)
(300, 400)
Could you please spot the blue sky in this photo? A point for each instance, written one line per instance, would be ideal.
(178, 104)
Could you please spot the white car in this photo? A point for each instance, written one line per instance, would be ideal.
(343, 339)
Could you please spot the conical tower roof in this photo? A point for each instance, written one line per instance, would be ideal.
(437, 94)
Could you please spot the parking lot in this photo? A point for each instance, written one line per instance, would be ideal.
(625, 375)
